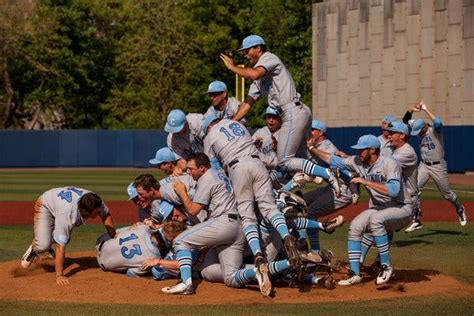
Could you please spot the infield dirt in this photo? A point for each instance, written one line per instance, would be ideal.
(92, 285)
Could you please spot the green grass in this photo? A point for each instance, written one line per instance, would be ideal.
(405, 306)
(27, 185)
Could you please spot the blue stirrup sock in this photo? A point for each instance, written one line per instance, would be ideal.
(314, 170)
(278, 221)
(354, 249)
(383, 246)
(185, 265)
(251, 234)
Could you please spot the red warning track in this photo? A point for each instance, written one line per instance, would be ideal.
(124, 212)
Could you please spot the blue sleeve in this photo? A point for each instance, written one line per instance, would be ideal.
(215, 164)
(337, 162)
(437, 125)
(393, 187)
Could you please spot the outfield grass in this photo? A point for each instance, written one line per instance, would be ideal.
(27, 185)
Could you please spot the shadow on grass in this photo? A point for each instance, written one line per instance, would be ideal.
(432, 232)
(406, 243)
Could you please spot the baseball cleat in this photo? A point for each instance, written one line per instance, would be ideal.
(263, 279)
(179, 289)
(330, 226)
(28, 257)
(333, 181)
(462, 215)
(351, 280)
(384, 275)
(415, 225)
(292, 252)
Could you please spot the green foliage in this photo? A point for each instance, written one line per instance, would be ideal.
(126, 64)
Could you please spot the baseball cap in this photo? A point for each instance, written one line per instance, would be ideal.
(216, 86)
(163, 155)
(389, 119)
(320, 126)
(207, 121)
(251, 41)
(271, 111)
(367, 141)
(398, 127)
(175, 121)
(165, 210)
(416, 127)
(132, 191)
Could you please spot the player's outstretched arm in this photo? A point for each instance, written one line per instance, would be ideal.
(59, 265)
(247, 72)
(244, 108)
(430, 114)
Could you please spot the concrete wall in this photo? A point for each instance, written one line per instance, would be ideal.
(378, 57)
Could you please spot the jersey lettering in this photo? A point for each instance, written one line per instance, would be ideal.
(136, 250)
(67, 195)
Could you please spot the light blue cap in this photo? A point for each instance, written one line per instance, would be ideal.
(132, 191)
(271, 111)
(216, 86)
(398, 127)
(207, 121)
(251, 41)
(367, 141)
(165, 210)
(417, 126)
(320, 126)
(175, 121)
(389, 119)
(163, 155)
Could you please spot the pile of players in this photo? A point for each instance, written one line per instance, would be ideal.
(226, 193)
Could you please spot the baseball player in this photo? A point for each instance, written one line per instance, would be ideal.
(230, 142)
(222, 105)
(271, 79)
(135, 245)
(143, 207)
(405, 155)
(57, 212)
(149, 189)
(184, 133)
(389, 205)
(221, 229)
(168, 162)
(385, 148)
(432, 162)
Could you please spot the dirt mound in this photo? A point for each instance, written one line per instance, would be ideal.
(92, 285)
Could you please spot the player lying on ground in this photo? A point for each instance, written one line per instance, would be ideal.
(137, 248)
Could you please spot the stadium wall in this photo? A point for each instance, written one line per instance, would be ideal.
(377, 57)
(133, 148)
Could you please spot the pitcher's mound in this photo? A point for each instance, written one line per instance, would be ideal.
(90, 284)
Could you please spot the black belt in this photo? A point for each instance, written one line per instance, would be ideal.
(233, 216)
(236, 161)
(101, 244)
(431, 163)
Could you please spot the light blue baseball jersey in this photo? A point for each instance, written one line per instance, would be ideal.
(386, 148)
(214, 191)
(184, 145)
(276, 85)
(382, 171)
(230, 109)
(128, 250)
(432, 144)
(229, 140)
(408, 160)
(62, 204)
